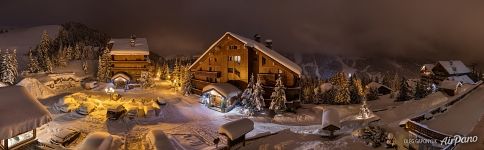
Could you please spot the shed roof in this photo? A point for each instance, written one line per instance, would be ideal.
(463, 79)
(20, 112)
(454, 67)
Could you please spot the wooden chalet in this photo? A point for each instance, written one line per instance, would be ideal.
(129, 58)
(234, 58)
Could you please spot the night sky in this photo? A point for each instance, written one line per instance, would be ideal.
(440, 29)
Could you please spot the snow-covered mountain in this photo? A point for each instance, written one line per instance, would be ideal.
(24, 38)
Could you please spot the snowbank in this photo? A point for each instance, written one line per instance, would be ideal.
(35, 88)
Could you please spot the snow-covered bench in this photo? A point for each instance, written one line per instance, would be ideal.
(235, 131)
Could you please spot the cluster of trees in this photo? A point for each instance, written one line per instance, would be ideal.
(8, 66)
(180, 77)
(252, 97)
(352, 90)
(104, 66)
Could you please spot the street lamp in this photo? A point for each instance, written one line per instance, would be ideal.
(110, 92)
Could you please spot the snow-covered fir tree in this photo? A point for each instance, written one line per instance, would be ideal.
(246, 97)
(372, 94)
(77, 52)
(257, 95)
(356, 90)
(145, 79)
(175, 77)
(342, 93)
(61, 56)
(69, 54)
(278, 97)
(15, 63)
(84, 66)
(404, 93)
(165, 74)
(104, 66)
(421, 90)
(33, 65)
(187, 85)
(43, 53)
(8, 75)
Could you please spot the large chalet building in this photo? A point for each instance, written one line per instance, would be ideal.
(454, 70)
(232, 59)
(129, 58)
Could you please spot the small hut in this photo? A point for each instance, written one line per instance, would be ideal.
(330, 121)
(20, 115)
(449, 87)
(382, 89)
(220, 96)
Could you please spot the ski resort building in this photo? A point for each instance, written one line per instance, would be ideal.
(129, 58)
(454, 70)
(233, 59)
(18, 124)
(220, 96)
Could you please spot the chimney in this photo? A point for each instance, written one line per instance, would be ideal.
(257, 38)
(132, 41)
(269, 43)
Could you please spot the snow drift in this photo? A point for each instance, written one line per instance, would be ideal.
(35, 88)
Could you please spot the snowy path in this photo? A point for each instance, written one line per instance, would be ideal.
(461, 118)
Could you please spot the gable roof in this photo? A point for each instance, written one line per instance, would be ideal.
(454, 67)
(27, 113)
(375, 85)
(428, 67)
(123, 47)
(462, 79)
(225, 89)
(262, 48)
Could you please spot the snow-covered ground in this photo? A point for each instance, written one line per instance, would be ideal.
(195, 126)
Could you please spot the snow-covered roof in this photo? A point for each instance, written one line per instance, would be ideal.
(330, 117)
(462, 79)
(448, 84)
(454, 67)
(225, 89)
(123, 47)
(35, 88)
(237, 128)
(98, 141)
(428, 67)
(20, 112)
(262, 48)
(120, 75)
(375, 85)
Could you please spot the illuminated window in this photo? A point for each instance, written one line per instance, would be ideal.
(237, 59)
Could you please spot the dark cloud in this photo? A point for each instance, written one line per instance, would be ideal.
(440, 29)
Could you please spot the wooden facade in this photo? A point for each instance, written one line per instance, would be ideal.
(129, 57)
(233, 59)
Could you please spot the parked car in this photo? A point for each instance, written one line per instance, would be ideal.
(65, 136)
(160, 101)
(160, 140)
(90, 85)
(97, 141)
(86, 108)
(115, 113)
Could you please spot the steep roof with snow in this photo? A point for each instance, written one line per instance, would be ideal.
(454, 67)
(225, 89)
(262, 48)
(375, 85)
(428, 67)
(124, 47)
(237, 128)
(462, 79)
(20, 112)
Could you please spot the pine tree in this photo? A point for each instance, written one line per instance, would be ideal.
(166, 72)
(104, 66)
(342, 95)
(356, 90)
(421, 90)
(188, 84)
(372, 94)
(43, 53)
(404, 93)
(61, 56)
(33, 65)
(77, 52)
(175, 76)
(258, 97)
(15, 63)
(247, 97)
(84, 66)
(69, 53)
(145, 79)
(8, 75)
(278, 97)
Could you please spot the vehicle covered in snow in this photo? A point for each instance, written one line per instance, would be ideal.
(86, 108)
(160, 140)
(90, 85)
(115, 113)
(66, 104)
(65, 136)
(97, 141)
(235, 131)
